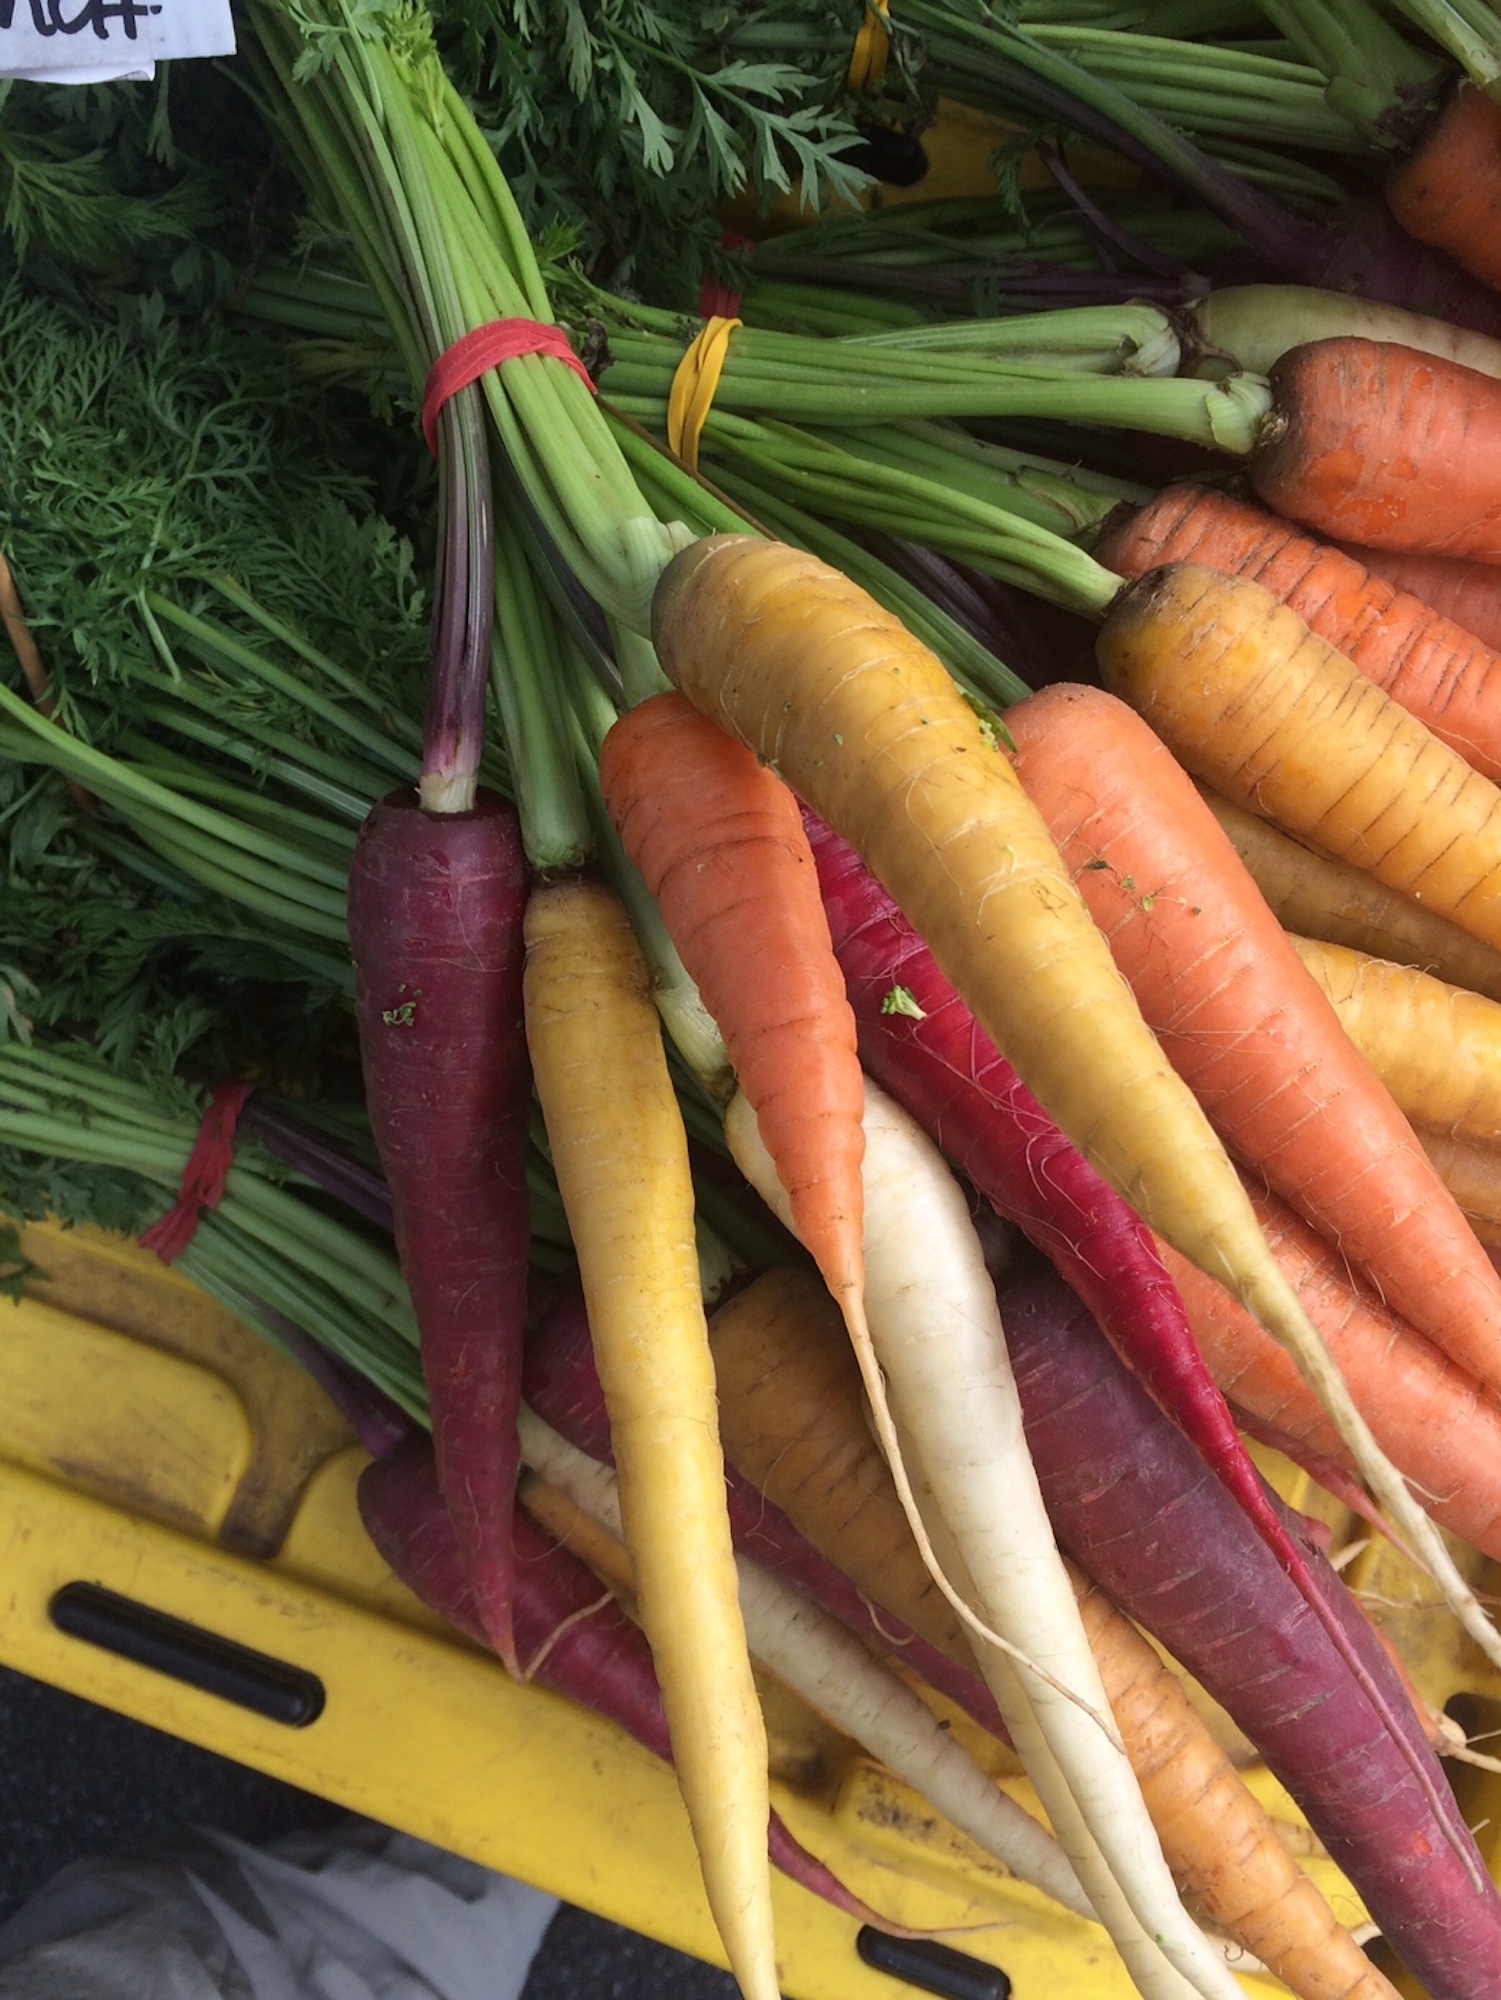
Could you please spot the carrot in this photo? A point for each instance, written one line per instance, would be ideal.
(867, 727)
(939, 1349)
(1132, 1503)
(1467, 592)
(1446, 193)
(1434, 1420)
(1315, 896)
(1472, 1173)
(832, 1671)
(1253, 325)
(573, 1636)
(1276, 720)
(1373, 442)
(1433, 667)
(1436, 1048)
(791, 1416)
(560, 1382)
(1243, 1021)
(720, 842)
(435, 914)
(929, 1052)
(621, 1162)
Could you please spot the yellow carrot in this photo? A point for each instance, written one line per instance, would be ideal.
(1275, 719)
(1318, 897)
(868, 727)
(1436, 1047)
(621, 1160)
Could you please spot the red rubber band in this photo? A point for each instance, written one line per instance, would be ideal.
(486, 347)
(204, 1175)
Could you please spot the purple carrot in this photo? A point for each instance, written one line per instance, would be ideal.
(932, 1056)
(1132, 1503)
(435, 908)
(308, 1153)
(560, 1384)
(583, 1645)
(378, 1423)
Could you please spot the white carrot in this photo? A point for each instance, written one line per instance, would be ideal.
(938, 1344)
(834, 1673)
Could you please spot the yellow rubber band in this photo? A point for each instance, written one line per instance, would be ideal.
(691, 396)
(872, 47)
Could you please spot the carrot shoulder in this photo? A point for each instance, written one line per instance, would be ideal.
(1434, 667)
(1277, 720)
(621, 1160)
(1374, 442)
(1243, 1020)
(720, 842)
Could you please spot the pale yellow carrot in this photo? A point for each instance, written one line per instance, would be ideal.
(621, 1159)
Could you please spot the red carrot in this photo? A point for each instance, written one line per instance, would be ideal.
(920, 1042)
(1133, 1505)
(936, 1060)
(435, 909)
(1379, 443)
(1435, 667)
(567, 1625)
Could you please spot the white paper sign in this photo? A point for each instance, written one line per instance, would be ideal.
(98, 41)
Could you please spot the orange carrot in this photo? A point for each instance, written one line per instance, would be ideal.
(1242, 1020)
(720, 841)
(1274, 718)
(1467, 592)
(1433, 667)
(1374, 442)
(1447, 191)
(870, 730)
(1317, 897)
(1433, 1419)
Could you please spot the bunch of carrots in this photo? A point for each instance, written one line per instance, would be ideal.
(1121, 965)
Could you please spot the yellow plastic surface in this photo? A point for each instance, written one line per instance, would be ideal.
(150, 1444)
(960, 146)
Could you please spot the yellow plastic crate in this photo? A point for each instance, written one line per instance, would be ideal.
(158, 1461)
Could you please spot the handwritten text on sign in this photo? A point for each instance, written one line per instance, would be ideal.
(90, 41)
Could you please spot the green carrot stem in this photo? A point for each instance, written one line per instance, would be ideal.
(217, 871)
(347, 800)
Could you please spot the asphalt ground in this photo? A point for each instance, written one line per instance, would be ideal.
(78, 1781)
